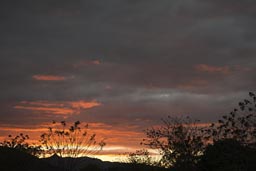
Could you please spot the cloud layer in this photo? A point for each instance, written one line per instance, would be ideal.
(124, 63)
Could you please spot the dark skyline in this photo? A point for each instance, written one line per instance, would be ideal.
(122, 65)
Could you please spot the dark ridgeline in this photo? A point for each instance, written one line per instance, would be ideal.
(93, 164)
(16, 160)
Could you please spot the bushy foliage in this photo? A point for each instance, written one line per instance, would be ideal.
(228, 155)
(179, 141)
(239, 124)
(141, 157)
(19, 142)
(70, 141)
(234, 140)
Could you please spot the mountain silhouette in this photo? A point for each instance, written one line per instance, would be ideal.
(15, 160)
(93, 164)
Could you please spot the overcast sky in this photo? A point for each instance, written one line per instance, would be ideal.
(122, 65)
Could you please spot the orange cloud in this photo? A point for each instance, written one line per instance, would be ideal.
(47, 109)
(95, 62)
(83, 104)
(48, 78)
(212, 69)
(58, 108)
(119, 140)
(34, 132)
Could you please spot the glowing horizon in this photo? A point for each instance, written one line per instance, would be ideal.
(122, 66)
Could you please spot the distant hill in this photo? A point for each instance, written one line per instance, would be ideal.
(92, 164)
(75, 163)
(15, 160)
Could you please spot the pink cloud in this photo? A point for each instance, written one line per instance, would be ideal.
(48, 78)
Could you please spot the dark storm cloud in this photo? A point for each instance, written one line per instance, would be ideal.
(140, 58)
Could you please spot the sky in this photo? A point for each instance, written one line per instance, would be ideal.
(122, 65)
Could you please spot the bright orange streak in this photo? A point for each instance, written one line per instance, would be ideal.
(61, 111)
(59, 108)
(48, 78)
(120, 140)
(83, 104)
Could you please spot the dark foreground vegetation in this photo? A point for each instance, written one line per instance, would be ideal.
(223, 156)
(183, 144)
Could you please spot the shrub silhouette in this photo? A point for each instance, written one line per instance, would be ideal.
(228, 155)
(72, 141)
(239, 124)
(234, 140)
(19, 142)
(140, 157)
(179, 141)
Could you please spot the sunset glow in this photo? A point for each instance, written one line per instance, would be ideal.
(58, 108)
(48, 78)
(121, 66)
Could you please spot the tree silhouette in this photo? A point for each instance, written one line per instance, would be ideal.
(228, 155)
(70, 141)
(233, 140)
(239, 124)
(179, 141)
